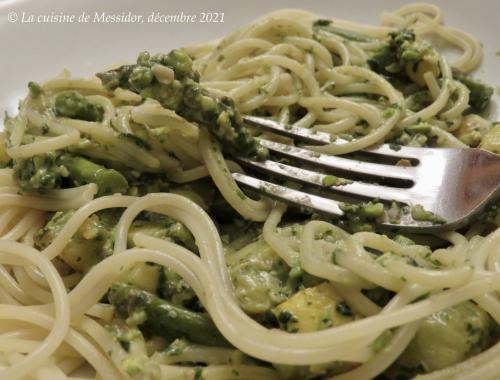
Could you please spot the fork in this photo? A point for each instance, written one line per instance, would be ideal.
(452, 183)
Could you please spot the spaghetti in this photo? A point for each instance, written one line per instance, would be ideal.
(112, 203)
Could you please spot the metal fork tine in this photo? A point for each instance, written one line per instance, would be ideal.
(325, 205)
(336, 162)
(302, 134)
(318, 179)
(321, 138)
(451, 183)
(399, 152)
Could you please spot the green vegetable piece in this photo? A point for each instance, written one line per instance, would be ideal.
(359, 217)
(420, 214)
(35, 89)
(163, 318)
(38, 174)
(180, 62)
(368, 210)
(140, 78)
(75, 106)
(83, 171)
(173, 288)
(480, 93)
(395, 147)
(45, 172)
(372, 210)
(326, 25)
(402, 48)
(186, 96)
(331, 180)
(423, 128)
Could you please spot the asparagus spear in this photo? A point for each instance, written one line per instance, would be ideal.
(163, 318)
(480, 93)
(327, 26)
(45, 172)
(74, 105)
(172, 81)
(83, 171)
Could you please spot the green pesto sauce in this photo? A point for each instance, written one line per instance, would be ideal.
(76, 106)
(420, 214)
(186, 97)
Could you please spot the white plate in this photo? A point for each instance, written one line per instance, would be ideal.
(38, 51)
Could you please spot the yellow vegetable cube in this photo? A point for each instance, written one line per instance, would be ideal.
(313, 309)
